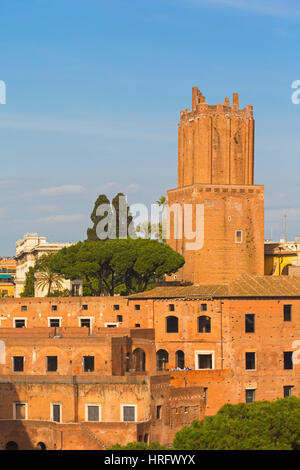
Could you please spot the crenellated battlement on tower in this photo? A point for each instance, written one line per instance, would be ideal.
(201, 108)
(215, 142)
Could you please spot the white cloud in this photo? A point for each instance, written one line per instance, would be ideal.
(62, 190)
(56, 219)
(94, 125)
(106, 186)
(132, 188)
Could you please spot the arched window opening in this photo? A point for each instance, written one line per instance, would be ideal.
(11, 445)
(41, 446)
(179, 359)
(204, 324)
(162, 359)
(139, 360)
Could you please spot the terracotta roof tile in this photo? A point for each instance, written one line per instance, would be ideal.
(245, 286)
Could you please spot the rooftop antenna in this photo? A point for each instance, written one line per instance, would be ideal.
(285, 227)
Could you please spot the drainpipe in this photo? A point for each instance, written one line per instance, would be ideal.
(221, 311)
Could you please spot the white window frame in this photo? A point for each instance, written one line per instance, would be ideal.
(87, 415)
(205, 352)
(54, 318)
(15, 410)
(51, 411)
(86, 318)
(236, 241)
(20, 318)
(110, 323)
(135, 412)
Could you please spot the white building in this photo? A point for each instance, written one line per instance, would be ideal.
(28, 250)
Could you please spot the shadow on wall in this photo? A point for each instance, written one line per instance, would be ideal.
(15, 432)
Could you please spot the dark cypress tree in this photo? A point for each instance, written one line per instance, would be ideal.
(91, 232)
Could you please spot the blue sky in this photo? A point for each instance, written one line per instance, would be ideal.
(94, 91)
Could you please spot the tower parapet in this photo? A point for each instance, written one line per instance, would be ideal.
(215, 142)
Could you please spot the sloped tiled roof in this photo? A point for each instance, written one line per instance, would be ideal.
(244, 286)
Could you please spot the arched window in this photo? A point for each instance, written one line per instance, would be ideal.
(146, 438)
(172, 324)
(11, 445)
(179, 359)
(139, 360)
(162, 359)
(41, 446)
(203, 324)
(285, 271)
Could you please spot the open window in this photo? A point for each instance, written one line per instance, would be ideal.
(250, 360)
(249, 323)
(18, 363)
(172, 324)
(179, 359)
(204, 324)
(88, 363)
(51, 363)
(204, 360)
(288, 360)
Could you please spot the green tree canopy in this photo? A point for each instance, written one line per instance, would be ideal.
(132, 263)
(254, 426)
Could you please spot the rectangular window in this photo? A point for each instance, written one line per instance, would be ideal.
(18, 363)
(158, 412)
(85, 307)
(54, 308)
(85, 322)
(51, 363)
(137, 307)
(250, 361)
(111, 325)
(88, 363)
(171, 307)
(205, 361)
(119, 318)
(20, 410)
(19, 323)
(137, 325)
(250, 323)
(54, 322)
(288, 391)
(287, 313)
(93, 412)
(203, 307)
(24, 308)
(238, 236)
(250, 395)
(56, 412)
(116, 307)
(288, 360)
(129, 412)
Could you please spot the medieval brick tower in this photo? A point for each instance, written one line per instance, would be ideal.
(216, 176)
